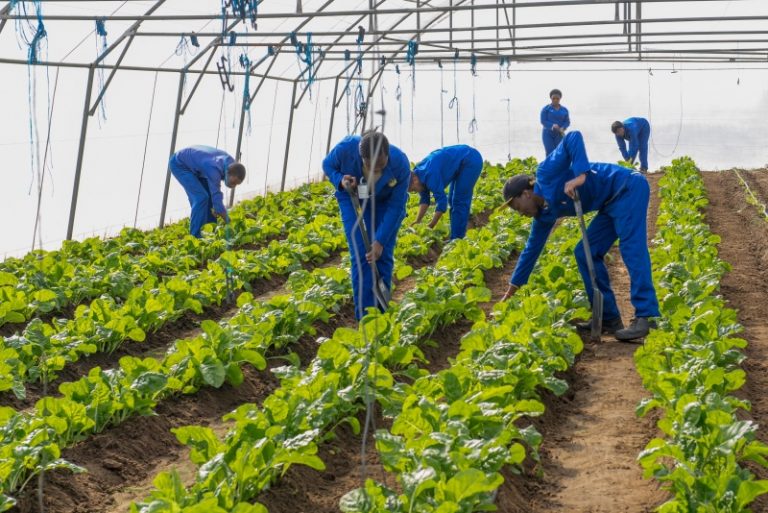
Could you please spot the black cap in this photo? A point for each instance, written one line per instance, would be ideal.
(516, 185)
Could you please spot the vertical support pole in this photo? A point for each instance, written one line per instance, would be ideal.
(333, 114)
(514, 27)
(418, 21)
(497, 28)
(629, 26)
(639, 30)
(80, 151)
(450, 23)
(182, 78)
(239, 150)
(472, 23)
(288, 139)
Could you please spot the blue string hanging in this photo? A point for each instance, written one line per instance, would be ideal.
(361, 106)
(245, 63)
(101, 47)
(410, 58)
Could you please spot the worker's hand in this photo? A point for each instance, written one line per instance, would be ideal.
(348, 180)
(510, 292)
(556, 127)
(375, 252)
(572, 185)
(644, 170)
(220, 215)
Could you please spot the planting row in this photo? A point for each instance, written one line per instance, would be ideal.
(46, 282)
(690, 364)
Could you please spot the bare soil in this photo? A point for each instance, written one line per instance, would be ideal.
(744, 245)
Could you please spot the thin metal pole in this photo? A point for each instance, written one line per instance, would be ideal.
(238, 151)
(80, 152)
(177, 115)
(288, 139)
(333, 114)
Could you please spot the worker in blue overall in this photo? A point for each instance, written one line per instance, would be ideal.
(637, 131)
(620, 197)
(455, 167)
(554, 121)
(370, 164)
(200, 170)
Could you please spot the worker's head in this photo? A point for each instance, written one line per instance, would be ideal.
(555, 95)
(374, 145)
(617, 127)
(235, 175)
(519, 195)
(416, 185)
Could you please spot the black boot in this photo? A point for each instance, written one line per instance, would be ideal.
(610, 326)
(638, 328)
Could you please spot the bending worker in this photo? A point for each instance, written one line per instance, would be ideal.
(637, 131)
(372, 168)
(200, 170)
(554, 121)
(620, 197)
(456, 167)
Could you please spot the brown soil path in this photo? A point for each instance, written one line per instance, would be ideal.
(591, 435)
(744, 245)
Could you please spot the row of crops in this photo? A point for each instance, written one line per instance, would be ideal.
(32, 440)
(451, 432)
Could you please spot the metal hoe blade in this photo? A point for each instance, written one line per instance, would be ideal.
(597, 296)
(380, 291)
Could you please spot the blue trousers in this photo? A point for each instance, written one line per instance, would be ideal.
(362, 275)
(460, 193)
(551, 139)
(624, 219)
(198, 194)
(644, 135)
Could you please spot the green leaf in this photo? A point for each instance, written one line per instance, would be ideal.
(403, 272)
(751, 490)
(213, 372)
(470, 482)
(7, 279)
(150, 383)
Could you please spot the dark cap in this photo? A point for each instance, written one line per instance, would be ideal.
(516, 185)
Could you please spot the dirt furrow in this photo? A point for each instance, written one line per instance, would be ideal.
(744, 245)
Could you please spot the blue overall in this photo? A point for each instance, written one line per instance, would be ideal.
(551, 116)
(458, 168)
(391, 196)
(200, 170)
(637, 131)
(620, 197)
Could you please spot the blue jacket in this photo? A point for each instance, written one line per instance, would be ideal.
(438, 170)
(551, 116)
(604, 182)
(634, 130)
(210, 165)
(391, 188)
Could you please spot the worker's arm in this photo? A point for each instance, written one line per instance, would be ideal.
(395, 213)
(332, 167)
(622, 147)
(213, 179)
(536, 240)
(634, 144)
(545, 122)
(423, 207)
